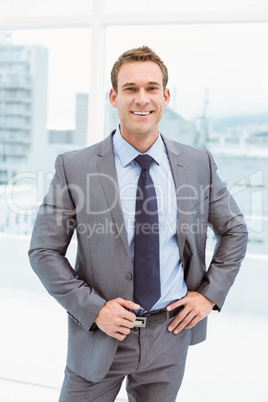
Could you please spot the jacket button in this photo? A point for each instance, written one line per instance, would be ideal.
(128, 276)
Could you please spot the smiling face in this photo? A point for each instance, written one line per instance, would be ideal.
(140, 100)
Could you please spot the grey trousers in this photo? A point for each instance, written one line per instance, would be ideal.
(152, 358)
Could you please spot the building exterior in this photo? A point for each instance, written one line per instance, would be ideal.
(61, 136)
(23, 109)
(176, 128)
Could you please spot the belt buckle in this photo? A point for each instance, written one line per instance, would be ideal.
(140, 322)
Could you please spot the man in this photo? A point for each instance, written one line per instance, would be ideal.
(140, 204)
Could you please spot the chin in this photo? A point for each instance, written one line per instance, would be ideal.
(146, 131)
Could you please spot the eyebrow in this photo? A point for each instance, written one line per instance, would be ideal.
(129, 84)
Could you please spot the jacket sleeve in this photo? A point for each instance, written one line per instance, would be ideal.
(54, 227)
(228, 224)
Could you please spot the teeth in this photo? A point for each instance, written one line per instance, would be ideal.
(142, 113)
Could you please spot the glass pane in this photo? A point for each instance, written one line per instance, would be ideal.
(42, 75)
(229, 61)
(219, 97)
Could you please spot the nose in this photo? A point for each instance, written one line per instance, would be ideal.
(142, 97)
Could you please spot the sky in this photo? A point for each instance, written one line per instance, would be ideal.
(228, 60)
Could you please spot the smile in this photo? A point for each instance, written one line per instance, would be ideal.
(142, 113)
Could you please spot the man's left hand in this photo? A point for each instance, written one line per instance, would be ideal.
(196, 307)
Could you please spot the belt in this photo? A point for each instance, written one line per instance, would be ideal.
(156, 317)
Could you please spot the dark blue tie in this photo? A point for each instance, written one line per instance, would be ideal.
(147, 289)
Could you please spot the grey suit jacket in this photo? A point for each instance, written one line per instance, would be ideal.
(83, 197)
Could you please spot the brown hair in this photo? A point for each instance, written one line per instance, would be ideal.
(143, 53)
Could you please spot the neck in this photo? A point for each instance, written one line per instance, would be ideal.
(141, 142)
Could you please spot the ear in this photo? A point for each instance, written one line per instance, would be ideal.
(112, 97)
(166, 97)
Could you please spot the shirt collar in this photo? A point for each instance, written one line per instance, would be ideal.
(127, 152)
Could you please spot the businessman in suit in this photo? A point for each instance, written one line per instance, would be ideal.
(140, 204)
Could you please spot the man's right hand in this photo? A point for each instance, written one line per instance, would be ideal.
(115, 320)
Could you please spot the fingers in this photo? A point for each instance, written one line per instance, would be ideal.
(123, 312)
(180, 321)
(118, 336)
(119, 329)
(120, 332)
(178, 324)
(115, 320)
(192, 323)
(128, 304)
(123, 323)
(175, 304)
(196, 307)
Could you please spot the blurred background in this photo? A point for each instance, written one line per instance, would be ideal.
(55, 63)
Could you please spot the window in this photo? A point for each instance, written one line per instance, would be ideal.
(219, 96)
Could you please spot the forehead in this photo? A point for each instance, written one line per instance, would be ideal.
(140, 72)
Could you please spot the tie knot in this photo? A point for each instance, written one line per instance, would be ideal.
(144, 161)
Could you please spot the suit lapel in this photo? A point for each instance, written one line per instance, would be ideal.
(108, 177)
(182, 191)
(106, 168)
